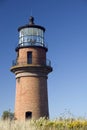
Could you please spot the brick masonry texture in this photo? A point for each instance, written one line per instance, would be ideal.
(31, 95)
(38, 54)
(31, 90)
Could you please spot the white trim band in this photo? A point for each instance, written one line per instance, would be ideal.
(28, 74)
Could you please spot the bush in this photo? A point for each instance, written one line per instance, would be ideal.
(7, 115)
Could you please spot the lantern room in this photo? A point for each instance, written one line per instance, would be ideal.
(31, 35)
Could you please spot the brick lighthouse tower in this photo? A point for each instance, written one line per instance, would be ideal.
(31, 69)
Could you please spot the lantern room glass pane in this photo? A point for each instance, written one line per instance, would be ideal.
(31, 36)
(35, 31)
(31, 31)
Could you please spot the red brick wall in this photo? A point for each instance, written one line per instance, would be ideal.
(31, 96)
(31, 90)
(38, 54)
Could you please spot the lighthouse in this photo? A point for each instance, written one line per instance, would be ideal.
(31, 68)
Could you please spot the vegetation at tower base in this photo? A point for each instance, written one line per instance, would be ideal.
(44, 124)
(7, 115)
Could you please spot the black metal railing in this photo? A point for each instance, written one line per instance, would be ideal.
(24, 44)
(33, 61)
